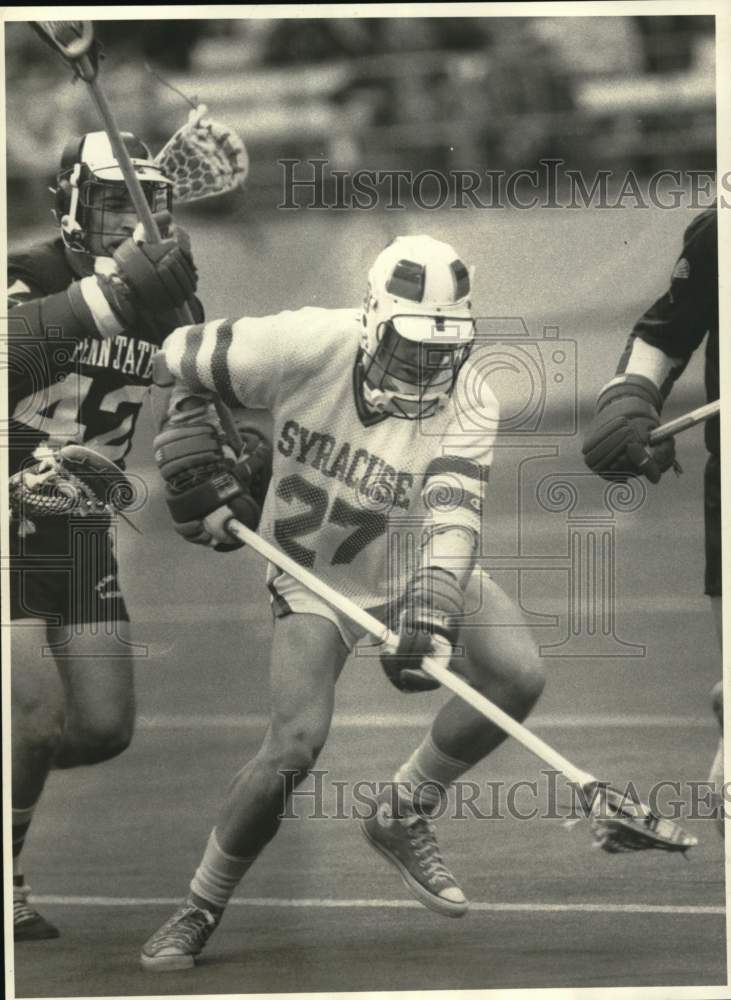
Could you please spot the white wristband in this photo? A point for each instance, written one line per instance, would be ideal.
(650, 361)
(106, 322)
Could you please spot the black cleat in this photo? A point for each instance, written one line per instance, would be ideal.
(28, 924)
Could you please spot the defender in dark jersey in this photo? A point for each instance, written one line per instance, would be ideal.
(88, 311)
(629, 406)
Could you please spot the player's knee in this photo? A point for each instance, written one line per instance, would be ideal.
(530, 679)
(37, 730)
(110, 741)
(95, 741)
(523, 673)
(294, 754)
(520, 677)
(37, 736)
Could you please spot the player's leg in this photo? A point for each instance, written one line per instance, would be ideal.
(94, 654)
(307, 656)
(717, 690)
(65, 573)
(713, 588)
(716, 776)
(97, 673)
(37, 723)
(500, 660)
(84, 717)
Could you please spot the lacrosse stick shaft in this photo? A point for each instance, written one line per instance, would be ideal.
(143, 210)
(152, 233)
(684, 423)
(144, 213)
(507, 723)
(431, 666)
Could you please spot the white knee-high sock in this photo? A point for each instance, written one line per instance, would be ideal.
(218, 874)
(427, 774)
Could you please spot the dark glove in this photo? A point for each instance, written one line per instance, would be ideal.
(433, 604)
(617, 442)
(154, 277)
(201, 479)
(255, 463)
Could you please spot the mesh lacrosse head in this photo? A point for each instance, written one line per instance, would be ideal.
(203, 159)
(51, 493)
(622, 823)
(73, 480)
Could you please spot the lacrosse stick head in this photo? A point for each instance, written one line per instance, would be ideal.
(72, 480)
(621, 823)
(75, 43)
(203, 159)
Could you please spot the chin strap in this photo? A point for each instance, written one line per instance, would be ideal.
(387, 401)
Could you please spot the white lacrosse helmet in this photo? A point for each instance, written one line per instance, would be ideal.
(418, 327)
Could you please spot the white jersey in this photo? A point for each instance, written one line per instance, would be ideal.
(353, 497)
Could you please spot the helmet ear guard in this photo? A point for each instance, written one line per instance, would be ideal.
(66, 209)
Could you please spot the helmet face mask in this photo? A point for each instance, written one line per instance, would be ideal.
(93, 206)
(109, 214)
(408, 378)
(418, 328)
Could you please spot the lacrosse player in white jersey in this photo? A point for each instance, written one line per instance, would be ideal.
(371, 462)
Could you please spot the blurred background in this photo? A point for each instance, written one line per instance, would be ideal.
(375, 93)
(612, 94)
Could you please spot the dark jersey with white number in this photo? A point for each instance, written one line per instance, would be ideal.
(681, 318)
(64, 385)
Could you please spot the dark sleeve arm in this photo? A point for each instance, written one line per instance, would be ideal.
(43, 333)
(62, 315)
(679, 320)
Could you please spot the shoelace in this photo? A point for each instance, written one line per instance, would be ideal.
(426, 849)
(22, 911)
(184, 928)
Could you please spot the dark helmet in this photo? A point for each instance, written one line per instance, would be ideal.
(88, 166)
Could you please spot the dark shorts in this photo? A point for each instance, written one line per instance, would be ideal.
(64, 572)
(712, 506)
